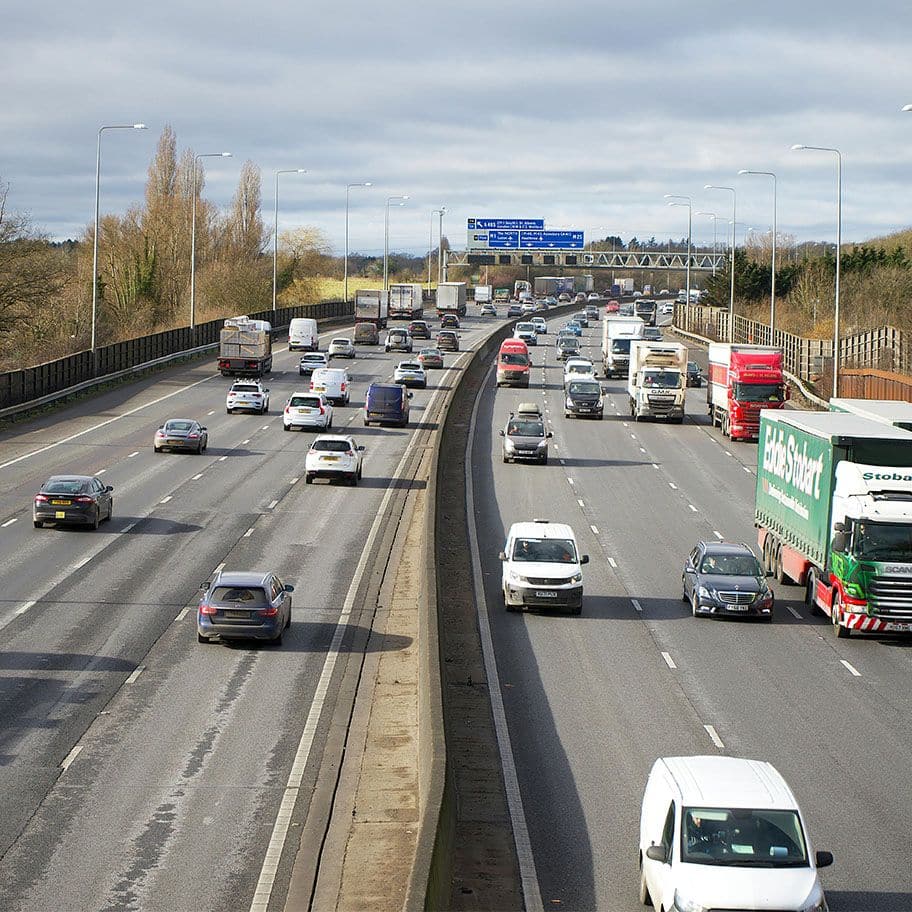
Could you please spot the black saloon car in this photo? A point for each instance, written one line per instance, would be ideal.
(722, 578)
(80, 500)
(694, 374)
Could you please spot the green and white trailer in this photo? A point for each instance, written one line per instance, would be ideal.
(833, 511)
(886, 411)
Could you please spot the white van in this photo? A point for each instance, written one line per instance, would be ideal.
(332, 382)
(725, 833)
(302, 334)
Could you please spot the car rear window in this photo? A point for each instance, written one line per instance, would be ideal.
(172, 426)
(330, 445)
(311, 401)
(64, 486)
(316, 359)
(245, 388)
(244, 596)
(410, 365)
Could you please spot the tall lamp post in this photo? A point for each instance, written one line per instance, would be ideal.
(348, 188)
(137, 126)
(196, 158)
(731, 302)
(713, 217)
(275, 230)
(773, 264)
(441, 274)
(400, 201)
(434, 212)
(674, 201)
(802, 148)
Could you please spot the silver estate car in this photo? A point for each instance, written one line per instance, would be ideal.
(244, 605)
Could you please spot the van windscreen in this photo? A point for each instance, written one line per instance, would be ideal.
(514, 358)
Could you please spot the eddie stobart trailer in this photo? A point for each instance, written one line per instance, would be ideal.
(833, 511)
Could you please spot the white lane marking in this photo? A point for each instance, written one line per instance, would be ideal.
(249, 532)
(714, 736)
(636, 605)
(718, 534)
(222, 458)
(852, 669)
(580, 502)
(794, 613)
(265, 427)
(669, 661)
(138, 671)
(70, 757)
(80, 564)
(613, 562)
(131, 455)
(164, 500)
(595, 531)
(273, 504)
(182, 614)
(727, 453)
(211, 413)
(633, 436)
(108, 421)
(523, 843)
(672, 485)
(129, 526)
(642, 450)
(9, 522)
(693, 509)
(563, 462)
(100, 472)
(295, 480)
(556, 447)
(571, 481)
(625, 424)
(197, 477)
(23, 608)
(746, 469)
(243, 442)
(655, 465)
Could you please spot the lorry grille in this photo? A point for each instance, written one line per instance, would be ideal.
(660, 404)
(891, 596)
(736, 598)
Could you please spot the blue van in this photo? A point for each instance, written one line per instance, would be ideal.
(387, 403)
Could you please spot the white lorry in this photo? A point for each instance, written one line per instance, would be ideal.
(451, 298)
(625, 286)
(617, 334)
(405, 301)
(371, 306)
(484, 294)
(657, 381)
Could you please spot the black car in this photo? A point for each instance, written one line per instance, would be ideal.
(652, 334)
(181, 434)
(722, 578)
(694, 374)
(418, 329)
(449, 321)
(80, 500)
(584, 398)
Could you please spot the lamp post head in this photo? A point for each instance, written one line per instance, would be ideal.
(798, 147)
(907, 107)
(368, 184)
(139, 126)
(744, 171)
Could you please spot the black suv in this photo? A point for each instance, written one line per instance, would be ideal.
(584, 397)
(721, 578)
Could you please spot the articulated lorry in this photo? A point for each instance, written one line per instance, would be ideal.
(451, 298)
(645, 309)
(887, 411)
(617, 334)
(405, 301)
(371, 306)
(657, 380)
(742, 380)
(833, 512)
(245, 347)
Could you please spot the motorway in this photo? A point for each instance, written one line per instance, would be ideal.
(140, 769)
(591, 702)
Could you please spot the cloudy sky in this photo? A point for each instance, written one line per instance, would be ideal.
(583, 113)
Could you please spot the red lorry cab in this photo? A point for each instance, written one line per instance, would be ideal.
(743, 379)
(513, 363)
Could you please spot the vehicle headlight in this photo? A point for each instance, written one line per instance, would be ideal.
(542, 444)
(704, 592)
(509, 446)
(854, 590)
(516, 578)
(576, 578)
(686, 905)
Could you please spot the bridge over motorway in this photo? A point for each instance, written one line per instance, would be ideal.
(598, 259)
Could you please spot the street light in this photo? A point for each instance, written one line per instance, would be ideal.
(907, 107)
(440, 271)
(672, 201)
(713, 216)
(386, 234)
(275, 222)
(137, 126)
(773, 265)
(196, 158)
(731, 302)
(348, 188)
(798, 147)
(434, 212)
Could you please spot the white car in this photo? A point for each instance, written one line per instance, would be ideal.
(410, 373)
(725, 833)
(526, 332)
(341, 347)
(247, 395)
(333, 456)
(332, 382)
(307, 410)
(578, 369)
(542, 567)
(311, 361)
(667, 308)
(529, 307)
(541, 327)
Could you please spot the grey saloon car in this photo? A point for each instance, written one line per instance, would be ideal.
(237, 604)
(79, 500)
(723, 578)
(181, 434)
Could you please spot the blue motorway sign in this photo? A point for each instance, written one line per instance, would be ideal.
(503, 239)
(545, 240)
(477, 224)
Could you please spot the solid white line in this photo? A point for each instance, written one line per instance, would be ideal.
(102, 424)
(248, 533)
(718, 534)
(595, 531)
(182, 614)
(852, 669)
(693, 509)
(636, 605)
(295, 480)
(714, 736)
(222, 458)
(197, 476)
(138, 671)
(100, 472)
(23, 608)
(613, 562)
(525, 857)
(131, 455)
(794, 613)
(9, 522)
(70, 757)
(273, 504)
(672, 485)
(164, 500)
(80, 564)
(669, 661)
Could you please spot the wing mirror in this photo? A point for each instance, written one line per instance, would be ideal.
(584, 559)
(360, 449)
(289, 588)
(502, 556)
(549, 434)
(203, 428)
(203, 586)
(656, 853)
(109, 488)
(410, 395)
(839, 542)
(503, 434)
(823, 859)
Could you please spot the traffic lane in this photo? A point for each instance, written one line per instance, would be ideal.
(755, 683)
(564, 678)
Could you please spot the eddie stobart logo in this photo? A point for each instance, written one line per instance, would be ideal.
(886, 476)
(788, 460)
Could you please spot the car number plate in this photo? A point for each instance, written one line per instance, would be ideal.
(175, 442)
(737, 607)
(330, 458)
(320, 389)
(545, 593)
(59, 514)
(303, 411)
(60, 503)
(232, 613)
(899, 628)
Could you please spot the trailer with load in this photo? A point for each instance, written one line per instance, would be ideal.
(245, 347)
(405, 301)
(833, 511)
(657, 381)
(371, 306)
(617, 334)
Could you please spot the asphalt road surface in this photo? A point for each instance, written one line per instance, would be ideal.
(138, 768)
(592, 701)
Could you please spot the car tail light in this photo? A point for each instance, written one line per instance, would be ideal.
(193, 436)
(322, 410)
(287, 409)
(83, 499)
(159, 433)
(41, 498)
(349, 452)
(268, 612)
(207, 609)
(343, 387)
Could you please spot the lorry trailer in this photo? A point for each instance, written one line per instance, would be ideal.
(405, 301)
(451, 298)
(245, 347)
(371, 307)
(617, 334)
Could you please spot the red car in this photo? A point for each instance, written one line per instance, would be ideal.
(612, 307)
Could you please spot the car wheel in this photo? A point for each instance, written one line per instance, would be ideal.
(366, 423)
(200, 638)
(156, 450)
(38, 523)
(308, 479)
(329, 423)
(110, 510)
(353, 480)
(842, 632)
(684, 596)
(359, 473)
(277, 639)
(543, 460)
(288, 620)
(97, 520)
(694, 606)
(199, 449)
(286, 427)
(227, 411)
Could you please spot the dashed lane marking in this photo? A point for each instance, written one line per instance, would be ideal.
(100, 472)
(164, 500)
(613, 563)
(211, 413)
(9, 522)
(636, 605)
(197, 477)
(248, 533)
(222, 458)
(793, 613)
(182, 614)
(642, 449)
(245, 442)
(655, 465)
(718, 534)
(693, 509)
(131, 455)
(669, 661)
(714, 736)
(852, 669)
(295, 480)
(138, 671)
(273, 504)
(595, 531)
(571, 481)
(580, 502)
(746, 469)
(672, 485)
(70, 757)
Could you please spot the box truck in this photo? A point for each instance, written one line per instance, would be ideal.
(833, 511)
(405, 301)
(484, 294)
(371, 306)
(624, 287)
(451, 298)
(617, 334)
(656, 382)
(245, 347)
(742, 380)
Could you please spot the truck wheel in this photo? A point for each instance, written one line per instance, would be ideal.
(781, 576)
(842, 632)
(726, 426)
(810, 600)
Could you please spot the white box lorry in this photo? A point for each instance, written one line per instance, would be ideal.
(484, 294)
(405, 301)
(625, 286)
(371, 306)
(656, 383)
(617, 334)
(451, 298)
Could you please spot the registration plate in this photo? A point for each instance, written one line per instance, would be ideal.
(61, 503)
(899, 628)
(60, 515)
(737, 607)
(232, 613)
(304, 411)
(175, 442)
(330, 458)
(544, 593)
(319, 389)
